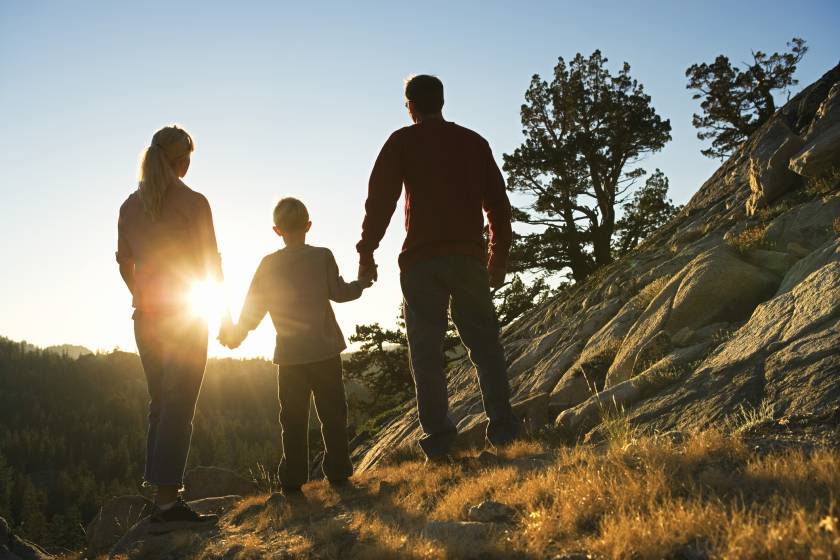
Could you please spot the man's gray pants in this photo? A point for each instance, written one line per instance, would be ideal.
(459, 284)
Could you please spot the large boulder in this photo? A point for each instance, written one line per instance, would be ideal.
(717, 286)
(582, 379)
(578, 420)
(769, 175)
(138, 544)
(821, 154)
(208, 482)
(802, 376)
(589, 371)
(828, 252)
(777, 262)
(805, 227)
(785, 356)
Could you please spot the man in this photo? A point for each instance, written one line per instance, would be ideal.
(450, 176)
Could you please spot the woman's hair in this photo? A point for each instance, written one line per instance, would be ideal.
(157, 173)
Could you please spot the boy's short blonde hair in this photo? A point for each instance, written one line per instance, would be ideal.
(290, 214)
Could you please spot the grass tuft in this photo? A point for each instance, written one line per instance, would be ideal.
(267, 481)
(650, 291)
(819, 186)
(751, 238)
(746, 418)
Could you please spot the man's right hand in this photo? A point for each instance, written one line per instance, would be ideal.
(368, 272)
(497, 277)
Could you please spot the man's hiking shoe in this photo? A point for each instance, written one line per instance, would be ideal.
(179, 516)
(291, 491)
(339, 482)
(443, 459)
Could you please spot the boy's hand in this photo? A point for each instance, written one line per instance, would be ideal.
(368, 273)
(231, 336)
(365, 282)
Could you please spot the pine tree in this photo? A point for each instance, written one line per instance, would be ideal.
(736, 102)
(585, 133)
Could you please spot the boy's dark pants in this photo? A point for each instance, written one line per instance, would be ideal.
(173, 350)
(461, 284)
(295, 385)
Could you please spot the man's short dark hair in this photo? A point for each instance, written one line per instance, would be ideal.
(426, 92)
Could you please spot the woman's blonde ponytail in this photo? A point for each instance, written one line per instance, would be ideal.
(157, 173)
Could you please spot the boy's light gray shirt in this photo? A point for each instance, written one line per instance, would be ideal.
(295, 287)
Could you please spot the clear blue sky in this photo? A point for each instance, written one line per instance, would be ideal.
(296, 99)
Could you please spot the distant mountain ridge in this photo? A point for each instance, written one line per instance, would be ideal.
(70, 350)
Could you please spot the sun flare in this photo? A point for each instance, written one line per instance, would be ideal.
(206, 300)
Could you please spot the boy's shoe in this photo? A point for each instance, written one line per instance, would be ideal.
(179, 516)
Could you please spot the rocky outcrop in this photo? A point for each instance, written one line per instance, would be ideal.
(821, 153)
(769, 174)
(121, 524)
(136, 542)
(716, 286)
(730, 306)
(12, 547)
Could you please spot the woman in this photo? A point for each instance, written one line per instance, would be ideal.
(166, 244)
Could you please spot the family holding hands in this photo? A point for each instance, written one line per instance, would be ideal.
(166, 242)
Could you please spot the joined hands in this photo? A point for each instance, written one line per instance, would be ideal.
(230, 335)
(367, 275)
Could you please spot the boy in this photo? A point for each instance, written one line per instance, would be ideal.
(295, 286)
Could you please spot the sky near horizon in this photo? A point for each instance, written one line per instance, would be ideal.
(297, 99)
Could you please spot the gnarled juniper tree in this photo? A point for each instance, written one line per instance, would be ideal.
(585, 133)
(737, 102)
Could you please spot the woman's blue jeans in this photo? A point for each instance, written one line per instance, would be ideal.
(173, 350)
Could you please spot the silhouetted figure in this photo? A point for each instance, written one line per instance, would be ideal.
(450, 180)
(166, 244)
(295, 285)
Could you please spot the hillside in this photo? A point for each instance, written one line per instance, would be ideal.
(732, 308)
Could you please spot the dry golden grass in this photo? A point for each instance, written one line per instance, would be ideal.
(819, 186)
(648, 498)
(491, 484)
(751, 238)
(650, 291)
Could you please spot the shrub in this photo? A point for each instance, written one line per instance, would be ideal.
(819, 186)
(751, 238)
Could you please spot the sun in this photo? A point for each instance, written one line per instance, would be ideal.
(206, 300)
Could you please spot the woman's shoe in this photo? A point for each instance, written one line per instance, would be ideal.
(177, 517)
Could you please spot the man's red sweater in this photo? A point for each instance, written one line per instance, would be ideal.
(450, 179)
